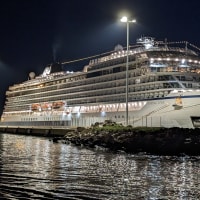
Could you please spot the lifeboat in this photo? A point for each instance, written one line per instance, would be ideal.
(57, 104)
(46, 106)
(35, 107)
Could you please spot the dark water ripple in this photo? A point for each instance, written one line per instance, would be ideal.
(36, 168)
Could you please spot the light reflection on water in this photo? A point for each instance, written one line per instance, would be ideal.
(36, 168)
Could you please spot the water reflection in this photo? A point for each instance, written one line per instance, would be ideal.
(37, 168)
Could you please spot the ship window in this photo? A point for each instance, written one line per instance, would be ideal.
(182, 78)
(116, 69)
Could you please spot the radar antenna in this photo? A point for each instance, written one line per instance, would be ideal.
(148, 42)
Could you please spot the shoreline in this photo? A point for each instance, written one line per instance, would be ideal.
(115, 137)
(156, 141)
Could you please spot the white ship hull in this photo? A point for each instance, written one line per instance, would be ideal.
(151, 113)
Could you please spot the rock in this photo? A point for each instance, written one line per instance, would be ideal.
(164, 141)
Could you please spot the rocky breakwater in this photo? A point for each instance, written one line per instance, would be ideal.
(162, 141)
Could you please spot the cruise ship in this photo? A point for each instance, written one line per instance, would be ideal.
(159, 88)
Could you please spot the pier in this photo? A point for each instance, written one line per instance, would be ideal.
(37, 131)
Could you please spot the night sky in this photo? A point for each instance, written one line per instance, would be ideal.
(34, 33)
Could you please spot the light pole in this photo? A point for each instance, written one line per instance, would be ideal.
(127, 21)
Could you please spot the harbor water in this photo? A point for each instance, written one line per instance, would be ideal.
(36, 168)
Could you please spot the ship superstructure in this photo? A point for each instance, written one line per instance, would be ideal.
(163, 90)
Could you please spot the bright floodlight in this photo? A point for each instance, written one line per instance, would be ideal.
(124, 19)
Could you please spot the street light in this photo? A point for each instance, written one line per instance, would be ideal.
(127, 21)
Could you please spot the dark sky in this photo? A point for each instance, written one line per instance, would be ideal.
(33, 33)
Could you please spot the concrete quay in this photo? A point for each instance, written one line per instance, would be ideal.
(47, 131)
